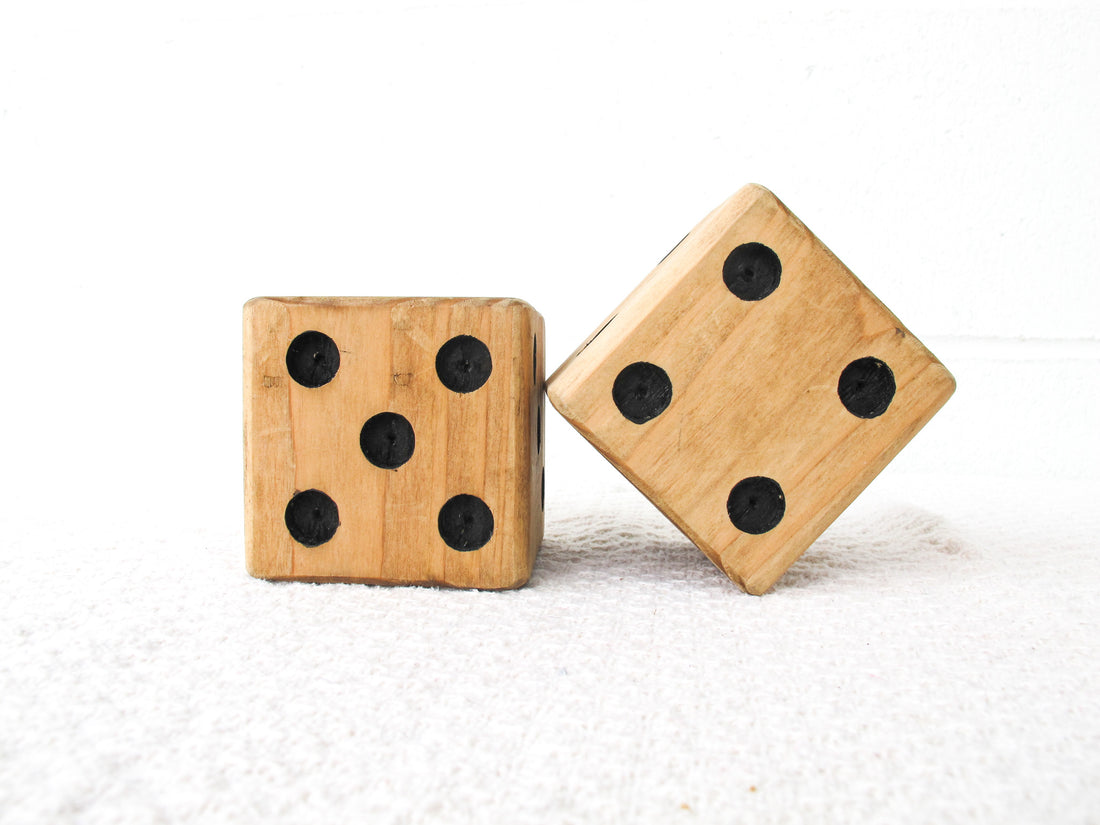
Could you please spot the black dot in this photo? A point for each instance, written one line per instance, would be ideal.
(312, 518)
(642, 391)
(312, 359)
(538, 430)
(756, 505)
(463, 363)
(465, 523)
(752, 271)
(866, 387)
(387, 440)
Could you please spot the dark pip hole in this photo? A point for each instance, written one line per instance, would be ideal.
(465, 523)
(387, 440)
(311, 517)
(756, 505)
(642, 391)
(463, 364)
(312, 359)
(752, 271)
(867, 387)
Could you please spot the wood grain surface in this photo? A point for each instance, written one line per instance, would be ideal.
(482, 443)
(754, 387)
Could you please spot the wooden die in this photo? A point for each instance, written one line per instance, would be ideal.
(393, 440)
(751, 387)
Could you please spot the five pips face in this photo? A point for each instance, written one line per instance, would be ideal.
(388, 441)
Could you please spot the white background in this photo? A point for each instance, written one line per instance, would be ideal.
(160, 165)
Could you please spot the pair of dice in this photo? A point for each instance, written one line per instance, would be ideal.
(750, 387)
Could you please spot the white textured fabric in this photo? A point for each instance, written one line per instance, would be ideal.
(933, 658)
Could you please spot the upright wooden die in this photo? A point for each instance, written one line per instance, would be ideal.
(751, 387)
(393, 440)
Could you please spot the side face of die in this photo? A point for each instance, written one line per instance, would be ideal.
(751, 387)
(393, 440)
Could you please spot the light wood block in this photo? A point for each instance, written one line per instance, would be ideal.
(753, 389)
(409, 509)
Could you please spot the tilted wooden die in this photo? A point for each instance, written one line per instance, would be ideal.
(393, 440)
(751, 387)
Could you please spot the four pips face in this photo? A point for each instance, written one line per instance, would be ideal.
(642, 391)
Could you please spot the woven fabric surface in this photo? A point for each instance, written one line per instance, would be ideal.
(927, 659)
